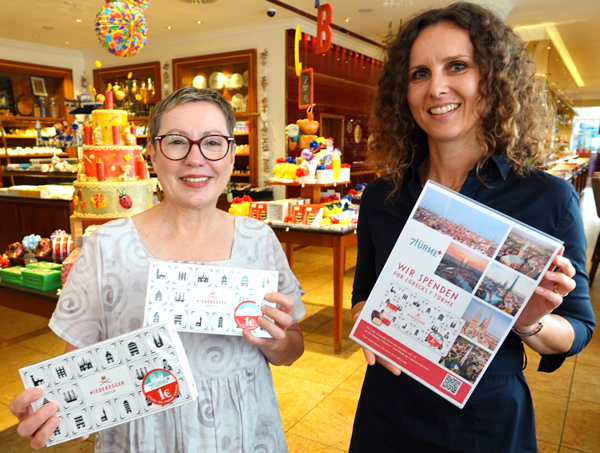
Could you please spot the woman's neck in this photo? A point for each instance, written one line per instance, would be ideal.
(449, 165)
(197, 235)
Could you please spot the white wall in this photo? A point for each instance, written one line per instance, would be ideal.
(45, 55)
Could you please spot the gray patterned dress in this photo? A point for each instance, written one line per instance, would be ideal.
(236, 410)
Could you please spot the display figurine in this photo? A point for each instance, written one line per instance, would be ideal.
(97, 137)
(38, 133)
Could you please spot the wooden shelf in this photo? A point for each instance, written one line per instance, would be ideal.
(38, 174)
(29, 156)
(311, 191)
(241, 133)
(302, 184)
(30, 119)
(243, 155)
(240, 174)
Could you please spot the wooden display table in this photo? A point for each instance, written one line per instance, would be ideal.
(79, 224)
(333, 239)
(28, 300)
(312, 191)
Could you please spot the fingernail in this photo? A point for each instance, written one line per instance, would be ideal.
(50, 408)
(551, 274)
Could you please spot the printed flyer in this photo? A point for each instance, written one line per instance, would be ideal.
(450, 291)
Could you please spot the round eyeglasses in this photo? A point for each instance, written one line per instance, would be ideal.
(177, 147)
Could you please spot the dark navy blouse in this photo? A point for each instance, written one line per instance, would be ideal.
(400, 414)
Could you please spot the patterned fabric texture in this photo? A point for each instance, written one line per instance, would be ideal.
(237, 409)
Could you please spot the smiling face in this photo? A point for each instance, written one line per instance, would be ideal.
(193, 182)
(443, 89)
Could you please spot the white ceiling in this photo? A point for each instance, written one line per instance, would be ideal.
(54, 23)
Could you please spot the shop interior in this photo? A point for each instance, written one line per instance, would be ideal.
(56, 68)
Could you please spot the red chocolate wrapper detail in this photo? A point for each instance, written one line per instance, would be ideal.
(116, 133)
(141, 169)
(67, 265)
(87, 135)
(100, 171)
(108, 100)
(62, 245)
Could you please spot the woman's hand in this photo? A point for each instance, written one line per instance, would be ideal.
(372, 358)
(38, 425)
(287, 344)
(41, 424)
(557, 335)
(548, 296)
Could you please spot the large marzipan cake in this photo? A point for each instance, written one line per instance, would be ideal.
(111, 182)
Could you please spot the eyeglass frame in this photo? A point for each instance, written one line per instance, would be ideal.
(230, 140)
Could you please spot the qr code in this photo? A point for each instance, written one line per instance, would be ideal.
(451, 384)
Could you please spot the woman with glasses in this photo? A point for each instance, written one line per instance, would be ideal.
(192, 150)
(458, 103)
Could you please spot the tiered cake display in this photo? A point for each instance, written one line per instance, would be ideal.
(112, 180)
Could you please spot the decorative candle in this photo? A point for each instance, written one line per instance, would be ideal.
(100, 170)
(142, 169)
(87, 134)
(116, 133)
(108, 100)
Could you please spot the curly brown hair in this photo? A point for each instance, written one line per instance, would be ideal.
(513, 100)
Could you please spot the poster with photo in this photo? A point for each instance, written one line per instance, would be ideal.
(453, 286)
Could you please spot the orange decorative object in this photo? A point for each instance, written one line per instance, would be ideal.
(99, 201)
(324, 16)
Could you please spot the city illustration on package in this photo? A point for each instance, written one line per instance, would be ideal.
(114, 381)
(208, 299)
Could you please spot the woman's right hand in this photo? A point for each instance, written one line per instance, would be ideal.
(372, 358)
(38, 425)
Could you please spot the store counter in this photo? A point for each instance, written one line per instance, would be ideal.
(323, 238)
(28, 300)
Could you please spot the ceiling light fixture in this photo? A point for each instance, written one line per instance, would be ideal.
(77, 20)
(168, 27)
(198, 22)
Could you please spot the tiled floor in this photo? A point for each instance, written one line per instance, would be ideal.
(319, 393)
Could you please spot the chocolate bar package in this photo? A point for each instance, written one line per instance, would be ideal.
(114, 381)
(208, 299)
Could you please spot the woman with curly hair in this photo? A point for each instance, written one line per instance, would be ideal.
(458, 103)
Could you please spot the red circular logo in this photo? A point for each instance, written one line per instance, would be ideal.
(160, 386)
(435, 339)
(246, 315)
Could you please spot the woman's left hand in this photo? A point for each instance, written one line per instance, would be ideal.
(555, 285)
(287, 343)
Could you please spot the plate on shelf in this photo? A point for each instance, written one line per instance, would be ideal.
(25, 105)
(199, 82)
(234, 81)
(216, 80)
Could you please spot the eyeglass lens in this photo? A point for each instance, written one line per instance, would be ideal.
(177, 146)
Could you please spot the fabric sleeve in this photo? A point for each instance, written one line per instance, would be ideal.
(365, 274)
(576, 307)
(288, 283)
(78, 315)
